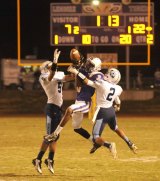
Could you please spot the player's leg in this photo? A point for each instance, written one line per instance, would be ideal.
(95, 145)
(113, 125)
(50, 160)
(130, 144)
(37, 161)
(97, 131)
(79, 108)
(54, 116)
(77, 118)
(101, 121)
(63, 121)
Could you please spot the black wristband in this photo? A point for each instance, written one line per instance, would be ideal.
(54, 67)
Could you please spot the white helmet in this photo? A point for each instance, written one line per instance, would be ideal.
(93, 64)
(44, 66)
(113, 76)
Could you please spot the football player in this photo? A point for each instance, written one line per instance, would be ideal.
(83, 100)
(51, 81)
(107, 91)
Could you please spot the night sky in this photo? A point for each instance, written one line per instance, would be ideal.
(35, 33)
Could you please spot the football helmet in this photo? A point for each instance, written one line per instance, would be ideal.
(44, 66)
(93, 64)
(113, 76)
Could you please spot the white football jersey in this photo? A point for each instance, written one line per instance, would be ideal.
(106, 92)
(53, 88)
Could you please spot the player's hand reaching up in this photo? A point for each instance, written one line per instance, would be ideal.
(56, 56)
(73, 70)
(55, 60)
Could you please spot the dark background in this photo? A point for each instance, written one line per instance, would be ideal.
(35, 34)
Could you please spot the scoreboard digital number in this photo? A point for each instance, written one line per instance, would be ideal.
(105, 24)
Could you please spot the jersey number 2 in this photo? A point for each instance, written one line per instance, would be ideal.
(110, 95)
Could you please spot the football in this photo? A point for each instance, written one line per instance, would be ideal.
(75, 55)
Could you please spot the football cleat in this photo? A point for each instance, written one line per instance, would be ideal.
(50, 137)
(37, 165)
(133, 148)
(113, 150)
(94, 148)
(49, 163)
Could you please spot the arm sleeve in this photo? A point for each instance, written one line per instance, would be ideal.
(91, 83)
(117, 100)
(95, 79)
(94, 84)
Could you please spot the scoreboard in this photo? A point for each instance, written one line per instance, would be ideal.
(105, 24)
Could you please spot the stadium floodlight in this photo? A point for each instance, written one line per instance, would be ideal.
(95, 2)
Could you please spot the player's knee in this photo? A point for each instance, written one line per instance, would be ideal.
(75, 125)
(113, 127)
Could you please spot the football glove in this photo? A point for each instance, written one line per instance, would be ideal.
(72, 69)
(117, 107)
(50, 137)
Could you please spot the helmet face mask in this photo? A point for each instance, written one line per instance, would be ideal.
(93, 64)
(113, 76)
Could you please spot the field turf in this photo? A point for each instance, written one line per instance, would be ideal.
(21, 136)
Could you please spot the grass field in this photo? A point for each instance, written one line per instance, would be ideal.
(20, 139)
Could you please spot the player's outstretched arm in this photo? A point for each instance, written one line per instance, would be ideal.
(53, 67)
(79, 74)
